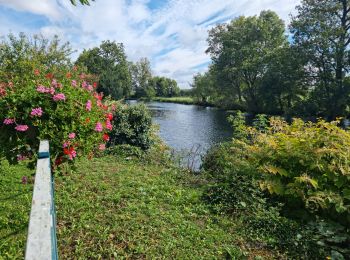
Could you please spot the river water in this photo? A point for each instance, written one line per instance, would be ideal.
(190, 130)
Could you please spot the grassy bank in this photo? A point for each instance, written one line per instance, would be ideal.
(126, 209)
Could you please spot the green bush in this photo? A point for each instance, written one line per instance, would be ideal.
(132, 125)
(232, 186)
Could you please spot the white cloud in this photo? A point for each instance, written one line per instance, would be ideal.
(173, 36)
(48, 8)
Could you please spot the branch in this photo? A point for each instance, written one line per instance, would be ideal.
(83, 2)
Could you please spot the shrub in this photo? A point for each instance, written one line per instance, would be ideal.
(60, 106)
(306, 162)
(132, 125)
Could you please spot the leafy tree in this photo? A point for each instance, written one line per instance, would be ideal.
(21, 55)
(203, 87)
(165, 87)
(241, 52)
(109, 62)
(321, 31)
(141, 78)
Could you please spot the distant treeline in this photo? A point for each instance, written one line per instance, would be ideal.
(259, 66)
(121, 78)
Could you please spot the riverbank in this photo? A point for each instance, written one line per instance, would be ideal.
(177, 100)
(124, 207)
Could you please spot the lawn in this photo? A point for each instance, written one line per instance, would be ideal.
(117, 208)
(128, 209)
(15, 203)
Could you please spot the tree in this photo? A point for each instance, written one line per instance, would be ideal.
(165, 87)
(141, 76)
(203, 87)
(241, 52)
(321, 31)
(20, 56)
(108, 62)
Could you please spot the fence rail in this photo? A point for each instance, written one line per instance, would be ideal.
(41, 240)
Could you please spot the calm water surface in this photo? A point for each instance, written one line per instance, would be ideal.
(189, 129)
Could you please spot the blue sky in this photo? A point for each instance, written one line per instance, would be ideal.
(171, 33)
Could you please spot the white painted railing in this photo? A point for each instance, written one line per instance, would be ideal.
(41, 240)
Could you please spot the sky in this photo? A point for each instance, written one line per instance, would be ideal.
(170, 33)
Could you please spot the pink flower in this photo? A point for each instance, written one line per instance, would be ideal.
(88, 105)
(59, 96)
(52, 90)
(42, 89)
(36, 112)
(54, 83)
(98, 127)
(109, 126)
(71, 135)
(65, 145)
(102, 147)
(21, 128)
(21, 157)
(9, 121)
(90, 88)
(72, 154)
(74, 83)
(84, 84)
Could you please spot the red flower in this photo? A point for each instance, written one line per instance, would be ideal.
(95, 84)
(36, 72)
(68, 75)
(110, 116)
(106, 137)
(87, 120)
(58, 161)
(49, 76)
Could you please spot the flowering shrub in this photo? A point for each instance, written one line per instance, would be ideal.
(60, 106)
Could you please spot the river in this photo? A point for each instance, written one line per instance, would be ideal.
(189, 130)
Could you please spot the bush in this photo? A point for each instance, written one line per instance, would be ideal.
(132, 125)
(305, 162)
(232, 186)
(60, 106)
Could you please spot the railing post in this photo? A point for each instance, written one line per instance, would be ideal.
(41, 240)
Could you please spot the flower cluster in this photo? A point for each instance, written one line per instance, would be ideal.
(72, 115)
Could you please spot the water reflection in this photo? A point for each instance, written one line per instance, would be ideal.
(188, 128)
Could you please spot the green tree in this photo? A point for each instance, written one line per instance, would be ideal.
(321, 31)
(165, 87)
(109, 62)
(21, 55)
(141, 78)
(203, 87)
(242, 51)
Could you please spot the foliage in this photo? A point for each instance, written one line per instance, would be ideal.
(132, 125)
(108, 61)
(58, 105)
(308, 162)
(83, 2)
(164, 87)
(321, 33)
(20, 56)
(141, 78)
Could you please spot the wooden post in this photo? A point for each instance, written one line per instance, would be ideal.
(41, 240)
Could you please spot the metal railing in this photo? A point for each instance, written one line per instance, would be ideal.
(41, 240)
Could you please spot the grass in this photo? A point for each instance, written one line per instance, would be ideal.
(115, 208)
(15, 203)
(129, 210)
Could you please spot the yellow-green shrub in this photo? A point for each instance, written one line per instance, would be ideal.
(309, 162)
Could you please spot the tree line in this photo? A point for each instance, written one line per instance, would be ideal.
(259, 66)
(121, 78)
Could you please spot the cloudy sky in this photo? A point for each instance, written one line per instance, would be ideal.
(171, 33)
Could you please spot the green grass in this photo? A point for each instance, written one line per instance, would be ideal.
(15, 203)
(126, 209)
(179, 100)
